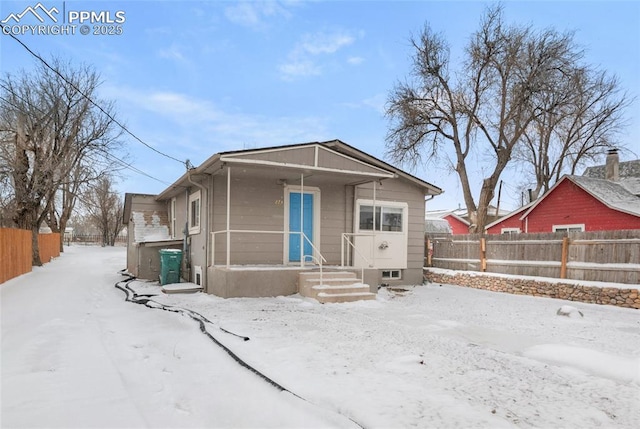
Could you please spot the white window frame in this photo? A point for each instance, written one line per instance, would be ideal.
(568, 228)
(194, 222)
(393, 274)
(172, 214)
(510, 231)
(382, 204)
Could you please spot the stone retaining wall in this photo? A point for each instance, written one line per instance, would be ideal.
(629, 298)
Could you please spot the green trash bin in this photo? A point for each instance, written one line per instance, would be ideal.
(170, 261)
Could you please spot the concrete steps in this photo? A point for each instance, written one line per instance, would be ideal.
(335, 286)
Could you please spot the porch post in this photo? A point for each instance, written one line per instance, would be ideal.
(373, 240)
(228, 216)
(301, 219)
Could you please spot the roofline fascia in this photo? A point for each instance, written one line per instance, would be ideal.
(568, 177)
(399, 172)
(509, 215)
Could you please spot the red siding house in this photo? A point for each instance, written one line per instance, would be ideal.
(509, 224)
(458, 224)
(604, 198)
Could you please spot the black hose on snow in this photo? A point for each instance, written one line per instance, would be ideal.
(132, 296)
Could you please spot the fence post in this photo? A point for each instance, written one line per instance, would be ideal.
(565, 254)
(483, 254)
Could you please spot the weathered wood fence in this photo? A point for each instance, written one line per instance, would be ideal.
(16, 249)
(607, 256)
(90, 239)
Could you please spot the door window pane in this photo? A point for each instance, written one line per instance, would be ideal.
(392, 219)
(366, 218)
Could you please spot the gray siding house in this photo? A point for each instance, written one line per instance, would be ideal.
(259, 222)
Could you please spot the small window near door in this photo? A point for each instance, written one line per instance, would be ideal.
(391, 275)
(194, 213)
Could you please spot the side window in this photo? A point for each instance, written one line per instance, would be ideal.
(510, 231)
(174, 232)
(194, 213)
(568, 228)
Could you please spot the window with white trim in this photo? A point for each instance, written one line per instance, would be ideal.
(391, 274)
(391, 217)
(194, 213)
(569, 228)
(172, 214)
(510, 231)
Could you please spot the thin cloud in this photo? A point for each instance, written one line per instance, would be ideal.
(255, 14)
(173, 52)
(324, 43)
(376, 102)
(304, 59)
(199, 125)
(355, 60)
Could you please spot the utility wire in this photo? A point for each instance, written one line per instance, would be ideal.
(104, 153)
(90, 100)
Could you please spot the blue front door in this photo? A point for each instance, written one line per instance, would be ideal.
(295, 208)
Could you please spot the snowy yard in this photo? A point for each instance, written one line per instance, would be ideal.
(75, 354)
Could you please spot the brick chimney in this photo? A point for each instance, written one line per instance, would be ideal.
(611, 166)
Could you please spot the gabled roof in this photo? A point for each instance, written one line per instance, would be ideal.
(350, 160)
(611, 194)
(509, 215)
(458, 218)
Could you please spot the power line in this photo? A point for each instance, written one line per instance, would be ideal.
(104, 153)
(90, 100)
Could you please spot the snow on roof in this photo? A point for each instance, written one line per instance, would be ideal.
(628, 175)
(632, 184)
(626, 170)
(437, 225)
(613, 194)
(150, 226)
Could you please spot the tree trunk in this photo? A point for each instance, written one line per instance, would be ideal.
(35, 248)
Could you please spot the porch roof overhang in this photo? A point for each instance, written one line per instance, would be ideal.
(330, 159)
(302, 168)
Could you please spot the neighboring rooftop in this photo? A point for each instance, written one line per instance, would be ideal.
(613, 194)
(628, 175)
(626, 170)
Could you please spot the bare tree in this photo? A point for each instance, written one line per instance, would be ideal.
(105, 209)
(486, 109)
(579, 121)
(51, 129)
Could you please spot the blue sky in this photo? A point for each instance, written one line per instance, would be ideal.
(196, 78)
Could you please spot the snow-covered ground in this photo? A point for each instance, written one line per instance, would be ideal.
(75, 354)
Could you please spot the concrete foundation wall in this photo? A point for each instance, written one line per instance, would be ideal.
(254, 283)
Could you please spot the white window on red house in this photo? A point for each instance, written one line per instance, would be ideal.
(510, 231)
(569, 228)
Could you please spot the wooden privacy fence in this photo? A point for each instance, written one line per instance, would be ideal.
(16, 251)
(606, 256)
(49, 246)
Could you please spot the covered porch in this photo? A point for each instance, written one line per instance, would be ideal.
(285, 211)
